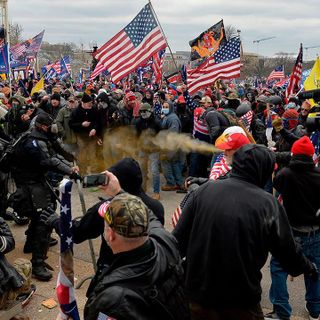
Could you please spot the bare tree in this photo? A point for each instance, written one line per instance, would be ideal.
(15, 33)
(230, 31)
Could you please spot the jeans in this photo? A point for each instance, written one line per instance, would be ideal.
(153, 160)
(172, 172)
(278, 294)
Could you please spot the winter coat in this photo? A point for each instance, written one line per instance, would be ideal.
(299, 185)
(227, 229)
(62, 121)
(216, 123)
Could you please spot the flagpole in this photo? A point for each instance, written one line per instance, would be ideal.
(155, 14)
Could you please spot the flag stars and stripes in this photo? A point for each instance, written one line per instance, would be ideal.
(64, 209)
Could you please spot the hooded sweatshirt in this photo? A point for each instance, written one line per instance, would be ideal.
(227, 229)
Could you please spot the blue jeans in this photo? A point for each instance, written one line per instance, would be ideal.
(153, 160)
(172, 172)
(278, 294)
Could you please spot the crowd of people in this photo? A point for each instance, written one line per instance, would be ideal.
(256, 195)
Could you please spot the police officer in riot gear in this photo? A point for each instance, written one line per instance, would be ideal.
(34, 157)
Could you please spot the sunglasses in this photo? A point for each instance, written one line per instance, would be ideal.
(304, 109)
(144, 111)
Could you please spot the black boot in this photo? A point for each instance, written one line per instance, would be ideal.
(40, 244)
(39, 271)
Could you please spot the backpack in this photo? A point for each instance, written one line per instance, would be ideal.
(8, 152)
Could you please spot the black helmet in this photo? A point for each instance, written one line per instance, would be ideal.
(243, 109)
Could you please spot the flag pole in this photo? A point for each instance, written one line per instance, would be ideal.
(155, 14)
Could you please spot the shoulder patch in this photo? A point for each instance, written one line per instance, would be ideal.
(102, 316)
(34, 143)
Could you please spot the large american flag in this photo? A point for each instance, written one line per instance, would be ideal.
(157, 65)
(132, 46)
(277, 73)
(295, 76)
(224, 64)
(65, 290)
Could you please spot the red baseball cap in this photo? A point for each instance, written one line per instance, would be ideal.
(232, 139)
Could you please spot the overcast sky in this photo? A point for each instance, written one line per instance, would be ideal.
(82, 21)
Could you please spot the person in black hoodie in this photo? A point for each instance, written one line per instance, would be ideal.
(225, 232)
(299, 185)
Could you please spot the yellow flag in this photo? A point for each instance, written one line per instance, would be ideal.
(39, 86)
(313, 80)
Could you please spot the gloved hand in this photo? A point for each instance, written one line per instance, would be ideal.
(75, 176)
(277, 124)
(313, 273)
(193, 180)
(49, 217)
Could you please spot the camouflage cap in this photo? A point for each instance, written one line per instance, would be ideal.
(128, 216)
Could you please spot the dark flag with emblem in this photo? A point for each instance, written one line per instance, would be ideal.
(208, 42)
(65, 281)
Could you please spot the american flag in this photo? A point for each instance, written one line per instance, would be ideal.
(65, 66)
(220, 168)
(283, 83)
(277, 73)
(224, 64)
(97, 70)
(157, 65)
(132, 46)
(29, 47)
(65, 290)
(246, 119)
(295, 75)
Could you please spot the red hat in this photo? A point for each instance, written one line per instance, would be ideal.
(303, 146)
(181, 99)
(232, 139)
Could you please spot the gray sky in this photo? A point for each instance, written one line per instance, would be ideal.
(82, 21)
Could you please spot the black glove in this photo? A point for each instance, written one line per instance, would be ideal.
(194, 180)
(313, 273)
(75, 176)
(49, 217)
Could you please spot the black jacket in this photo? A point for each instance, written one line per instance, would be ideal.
(216, 123)
(227, 230)
(152, 124)
(79, 115)
(39, 156)
(258, 130)
(299, 185)
(124, 288)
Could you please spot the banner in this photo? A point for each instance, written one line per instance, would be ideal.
(4, 66)
(208, 42)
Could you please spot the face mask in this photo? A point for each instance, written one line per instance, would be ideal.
(165, 111)
(146, 114)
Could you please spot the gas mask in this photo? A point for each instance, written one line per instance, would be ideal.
(53, 128)
(146, 114)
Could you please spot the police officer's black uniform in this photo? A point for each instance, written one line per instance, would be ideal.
(34, 157)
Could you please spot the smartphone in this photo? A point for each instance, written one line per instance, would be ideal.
(94, 180)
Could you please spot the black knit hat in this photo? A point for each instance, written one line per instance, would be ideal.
(56, 96)
(86, 98)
